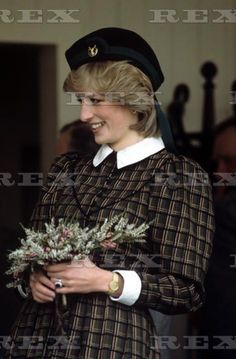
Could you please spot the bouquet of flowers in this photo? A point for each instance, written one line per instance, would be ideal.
(67, 242)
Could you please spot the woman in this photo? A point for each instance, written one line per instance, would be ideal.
(114, 74)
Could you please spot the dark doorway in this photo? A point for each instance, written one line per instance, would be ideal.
(20, 154)
(19, 130)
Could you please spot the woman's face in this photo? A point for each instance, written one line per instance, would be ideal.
(110, 122)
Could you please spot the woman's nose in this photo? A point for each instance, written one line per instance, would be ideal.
(85, 111)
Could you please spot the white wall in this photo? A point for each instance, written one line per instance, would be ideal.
(181, 47)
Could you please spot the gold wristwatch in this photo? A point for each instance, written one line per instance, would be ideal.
(114, 284)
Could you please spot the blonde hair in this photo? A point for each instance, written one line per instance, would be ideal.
(122, 83)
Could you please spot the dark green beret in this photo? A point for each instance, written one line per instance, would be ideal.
(113, 43)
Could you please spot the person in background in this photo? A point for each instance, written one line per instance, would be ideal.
(219, 311)
(76, 136)
(224, 154)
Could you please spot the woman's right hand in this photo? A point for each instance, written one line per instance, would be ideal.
(43, 290)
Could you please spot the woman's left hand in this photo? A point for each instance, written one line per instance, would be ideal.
(79, 277)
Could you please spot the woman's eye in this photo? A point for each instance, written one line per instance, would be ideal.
(95, 101)
(79, 99)
(89, 100)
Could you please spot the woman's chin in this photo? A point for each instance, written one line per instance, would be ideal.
(100, 139)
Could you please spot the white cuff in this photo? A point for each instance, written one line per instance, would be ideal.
(132, 287)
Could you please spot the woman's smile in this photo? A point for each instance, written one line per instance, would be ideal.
(96, 125)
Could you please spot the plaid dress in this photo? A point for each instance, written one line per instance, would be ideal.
(172, 192)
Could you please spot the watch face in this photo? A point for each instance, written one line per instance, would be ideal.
(114, 286)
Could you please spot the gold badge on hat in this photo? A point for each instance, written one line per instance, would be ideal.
(92, 51)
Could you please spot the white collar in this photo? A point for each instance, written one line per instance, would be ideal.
(131, 154)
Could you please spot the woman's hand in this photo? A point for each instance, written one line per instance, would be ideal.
(43, 290)
(79, 277)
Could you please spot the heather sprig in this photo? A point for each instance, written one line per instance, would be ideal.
(67, 241)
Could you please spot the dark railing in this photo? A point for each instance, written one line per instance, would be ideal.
(197, 145)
